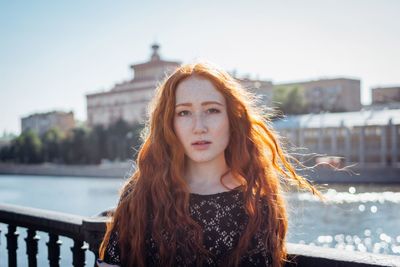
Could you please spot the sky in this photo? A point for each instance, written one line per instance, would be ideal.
(53, 53)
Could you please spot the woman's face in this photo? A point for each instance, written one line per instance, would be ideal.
(201, 120)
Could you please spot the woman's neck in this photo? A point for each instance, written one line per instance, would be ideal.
(205, 177)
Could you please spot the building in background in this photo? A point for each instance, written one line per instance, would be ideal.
(334, 95)
(129, 100)
(42, 122)
(385, 95)
(367, 137)
(384, 98)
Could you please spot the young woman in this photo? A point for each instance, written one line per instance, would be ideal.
(206, 191)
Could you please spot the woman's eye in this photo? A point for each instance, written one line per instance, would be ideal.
(213, 110)
(183, 113)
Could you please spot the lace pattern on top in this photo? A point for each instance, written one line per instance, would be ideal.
(223, 219)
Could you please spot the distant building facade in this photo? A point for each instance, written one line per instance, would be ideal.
(42, 122)
(129, 100)
(335, 95)
(368, 137)
(385, 95)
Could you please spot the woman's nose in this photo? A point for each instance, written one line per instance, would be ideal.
(199, 124)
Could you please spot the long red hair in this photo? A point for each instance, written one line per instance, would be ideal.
(157, 188)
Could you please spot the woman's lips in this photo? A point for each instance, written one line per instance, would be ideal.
(201, 145)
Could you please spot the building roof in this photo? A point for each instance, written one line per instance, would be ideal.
(142, 80)
(48, 113)
(155, 60)
(331, 79)
(394, 87)
(348, 119)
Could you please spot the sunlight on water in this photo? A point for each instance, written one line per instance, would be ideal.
(385, 245)
(352, 190)
(353, 218)
(332, 196)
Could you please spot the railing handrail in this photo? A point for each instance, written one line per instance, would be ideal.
(42, 220)
(88, 229)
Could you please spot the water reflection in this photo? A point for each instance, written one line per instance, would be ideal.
(332, 196)
(362, 244)
(356, 218)
(352, 189)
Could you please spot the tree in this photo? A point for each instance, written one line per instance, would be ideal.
(28, 148)
(52, 145)
(6, 154)
(74, 148)
(117, 140)
(120, 141)
(78, 145)
(134, 140)
(289, 99)
(96, 144)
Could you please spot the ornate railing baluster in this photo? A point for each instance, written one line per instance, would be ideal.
(12, 245)
(78, 253)
(53, 248)
(32, 240)
(94, 229)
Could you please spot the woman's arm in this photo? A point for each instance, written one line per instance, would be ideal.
(112, 253)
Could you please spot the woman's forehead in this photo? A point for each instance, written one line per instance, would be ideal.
(197, 89)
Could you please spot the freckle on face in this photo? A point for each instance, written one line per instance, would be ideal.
(199, 124)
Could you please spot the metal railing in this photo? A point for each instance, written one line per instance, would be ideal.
(87, 233)
(80, 229)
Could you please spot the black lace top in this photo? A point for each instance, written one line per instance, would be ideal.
(223, 219)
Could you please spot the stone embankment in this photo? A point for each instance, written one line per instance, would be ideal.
(107, 170)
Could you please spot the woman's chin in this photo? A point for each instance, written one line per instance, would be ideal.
(200, 159)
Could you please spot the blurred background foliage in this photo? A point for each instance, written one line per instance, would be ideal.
(120, 141)
(289, 99)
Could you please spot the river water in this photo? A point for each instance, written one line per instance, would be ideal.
(354, 217)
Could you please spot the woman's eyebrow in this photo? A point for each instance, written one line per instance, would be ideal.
(203, 104)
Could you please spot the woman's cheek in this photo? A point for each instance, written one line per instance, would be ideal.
(221, 125)
(185, 126)
(183, 130)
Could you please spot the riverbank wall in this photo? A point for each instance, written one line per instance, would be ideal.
(366, 174)
(108, 170)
